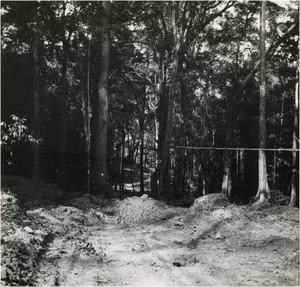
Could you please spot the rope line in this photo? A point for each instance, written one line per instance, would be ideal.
(235, 149)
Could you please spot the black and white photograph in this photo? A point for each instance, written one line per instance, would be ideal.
(150, 143)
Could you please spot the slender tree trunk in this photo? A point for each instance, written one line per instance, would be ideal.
(36, 102)
(122, 156)
(63, 122)
(100, 172)
(156, 141)
(89, 115)
(274, 171)
(86, 108)
(201, 181)
(142, 161)
(293, 198)
(142, 145)
(263, 188)
(131, 177)
(226, 183)
(65, 181)
(242, 169)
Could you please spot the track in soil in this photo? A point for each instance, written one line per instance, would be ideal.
(156, 255)
(143, 242)
(115, 255)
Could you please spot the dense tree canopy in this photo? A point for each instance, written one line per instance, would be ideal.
(111, 86)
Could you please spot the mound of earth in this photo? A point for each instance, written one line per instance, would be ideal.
(143, 210)
(209, 202)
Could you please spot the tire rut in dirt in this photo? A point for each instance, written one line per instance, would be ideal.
(70, 260)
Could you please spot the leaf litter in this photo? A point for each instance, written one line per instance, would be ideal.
(139, 241)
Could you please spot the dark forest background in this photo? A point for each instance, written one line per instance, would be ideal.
(93, 94)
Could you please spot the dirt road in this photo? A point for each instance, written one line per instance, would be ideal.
(120, 243)
(166, 254)
(110, 255)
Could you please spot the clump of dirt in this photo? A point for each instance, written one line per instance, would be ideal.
(209, 202)
(62, 216)
(252, 227)
(143, 210)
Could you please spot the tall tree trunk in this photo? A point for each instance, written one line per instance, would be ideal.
(64, 178)
(160, 126)
(63, 123)
(89, 115)
(226, 181)
(201, 180)
(162, 114)
(122, 155)
(156, 123)
(293, 198)
(86, 108)
(100, 172)
(142, 145)
(36, 101)
(263, 187)
(163, 171)
(142, 161)
(227, 173)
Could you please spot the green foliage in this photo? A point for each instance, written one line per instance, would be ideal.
(14, 132)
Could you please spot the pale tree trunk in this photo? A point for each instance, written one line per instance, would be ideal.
(100, 172)
(156, 141)
(36, 101)
(293, 198)
(201, 181)
(263, 187)
(226, 181)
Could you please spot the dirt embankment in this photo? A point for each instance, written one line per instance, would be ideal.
(140, 241)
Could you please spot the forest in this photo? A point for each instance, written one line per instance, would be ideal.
(177, 106)
(91, 91)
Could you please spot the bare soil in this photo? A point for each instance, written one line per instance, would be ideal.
(139, 241)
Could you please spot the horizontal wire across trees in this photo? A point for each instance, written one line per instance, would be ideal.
(234, 148)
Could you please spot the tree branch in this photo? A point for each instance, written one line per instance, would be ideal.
(269, 54)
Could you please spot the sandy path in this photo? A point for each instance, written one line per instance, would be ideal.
(212, 252)
(143, 242)
(115, 255)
